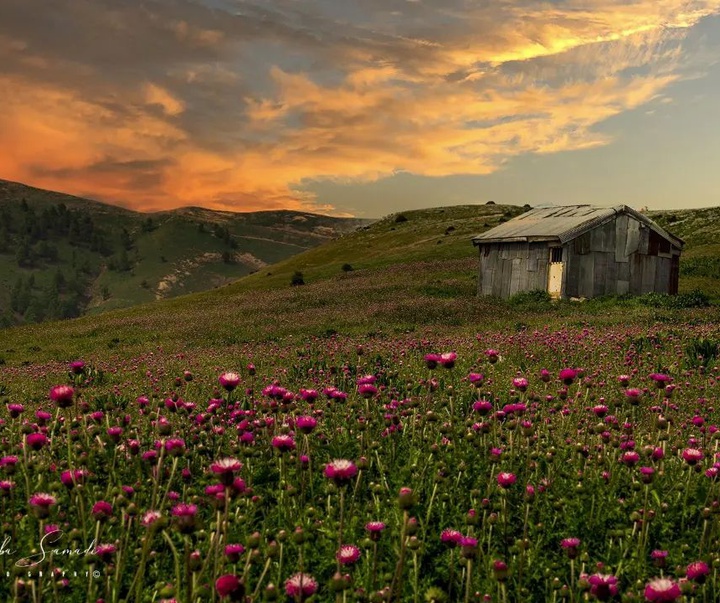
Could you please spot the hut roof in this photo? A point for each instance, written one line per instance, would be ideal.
(562, 224)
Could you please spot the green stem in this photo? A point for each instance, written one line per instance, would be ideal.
(468, 580)
(176, 557)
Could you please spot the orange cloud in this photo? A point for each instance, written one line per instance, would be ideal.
(510, 78)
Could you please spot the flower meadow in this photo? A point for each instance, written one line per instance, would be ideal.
(571, 464)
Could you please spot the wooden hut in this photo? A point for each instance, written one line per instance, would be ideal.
(578, 251)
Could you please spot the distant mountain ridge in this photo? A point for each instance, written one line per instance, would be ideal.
(63, 256)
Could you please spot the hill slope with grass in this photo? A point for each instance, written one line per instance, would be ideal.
(63, 256)
(700, 261)
(404, 273)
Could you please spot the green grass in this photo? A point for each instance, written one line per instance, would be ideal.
(417, 275)
(182, 252)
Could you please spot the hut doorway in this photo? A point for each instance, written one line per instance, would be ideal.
(555, 272)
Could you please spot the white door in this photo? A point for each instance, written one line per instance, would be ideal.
(555, 272)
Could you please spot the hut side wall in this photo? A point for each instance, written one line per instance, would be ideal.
(509, 268)
(621, 256)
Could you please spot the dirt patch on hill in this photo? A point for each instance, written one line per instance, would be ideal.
(185, 268)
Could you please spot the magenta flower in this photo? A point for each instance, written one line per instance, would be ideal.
(520, 383)
(306, 424)
(447, 360)
(184, 516)
(300, 585)
(341, 471)
(41, 503)
(69, 478)
(630, 458)
(692, 456)
(505, 480)
(348, 554)
(233, 552)
(77, 367)
(659, 558)
(274, 391)
(102, 510)
(175, 446)
(225, 469)
(647, 474)
(482, 407)
(15, 410)
(603, 586)
(375, 529)
(432, 360)
(662, 590)
(105, 552)
(62, 395)
(633, 395)
(43, 416)
(367, 390)
(451, 538)
(114, 433)
(36, 441)
(568, 376)
(476, 379)
(309, 395)
(571, 546)
(150, 518)
(231, 587)
(660, 379)
(468, 547)
(657, 454)
(150, 456)
(229, 381)
(500, 570)
(406, 497)
(698, 571)
(283, 443)
(492, 355)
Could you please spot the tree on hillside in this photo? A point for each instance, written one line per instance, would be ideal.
(35, 311)
(125, 239)
(120, 262)
(20, 295)
(24, 256)
(4, 238)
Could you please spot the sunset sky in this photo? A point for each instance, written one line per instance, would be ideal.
(363, 107)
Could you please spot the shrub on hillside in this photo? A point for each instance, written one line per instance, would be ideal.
(297, 279)
(692, 299)
(531, 300)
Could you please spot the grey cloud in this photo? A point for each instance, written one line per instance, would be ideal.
(135, 174)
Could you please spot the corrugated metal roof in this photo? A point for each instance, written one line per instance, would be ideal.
(561, 224)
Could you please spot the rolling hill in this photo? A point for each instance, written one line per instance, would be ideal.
(408, 272)
(63, 256)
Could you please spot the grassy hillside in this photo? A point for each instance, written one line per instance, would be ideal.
(421, 235)
(62, 256)
(410, 269)
(700, 262)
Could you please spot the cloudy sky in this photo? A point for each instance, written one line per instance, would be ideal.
(363, 107)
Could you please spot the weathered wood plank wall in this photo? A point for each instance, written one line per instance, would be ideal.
(507, 269)
(611, 259)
